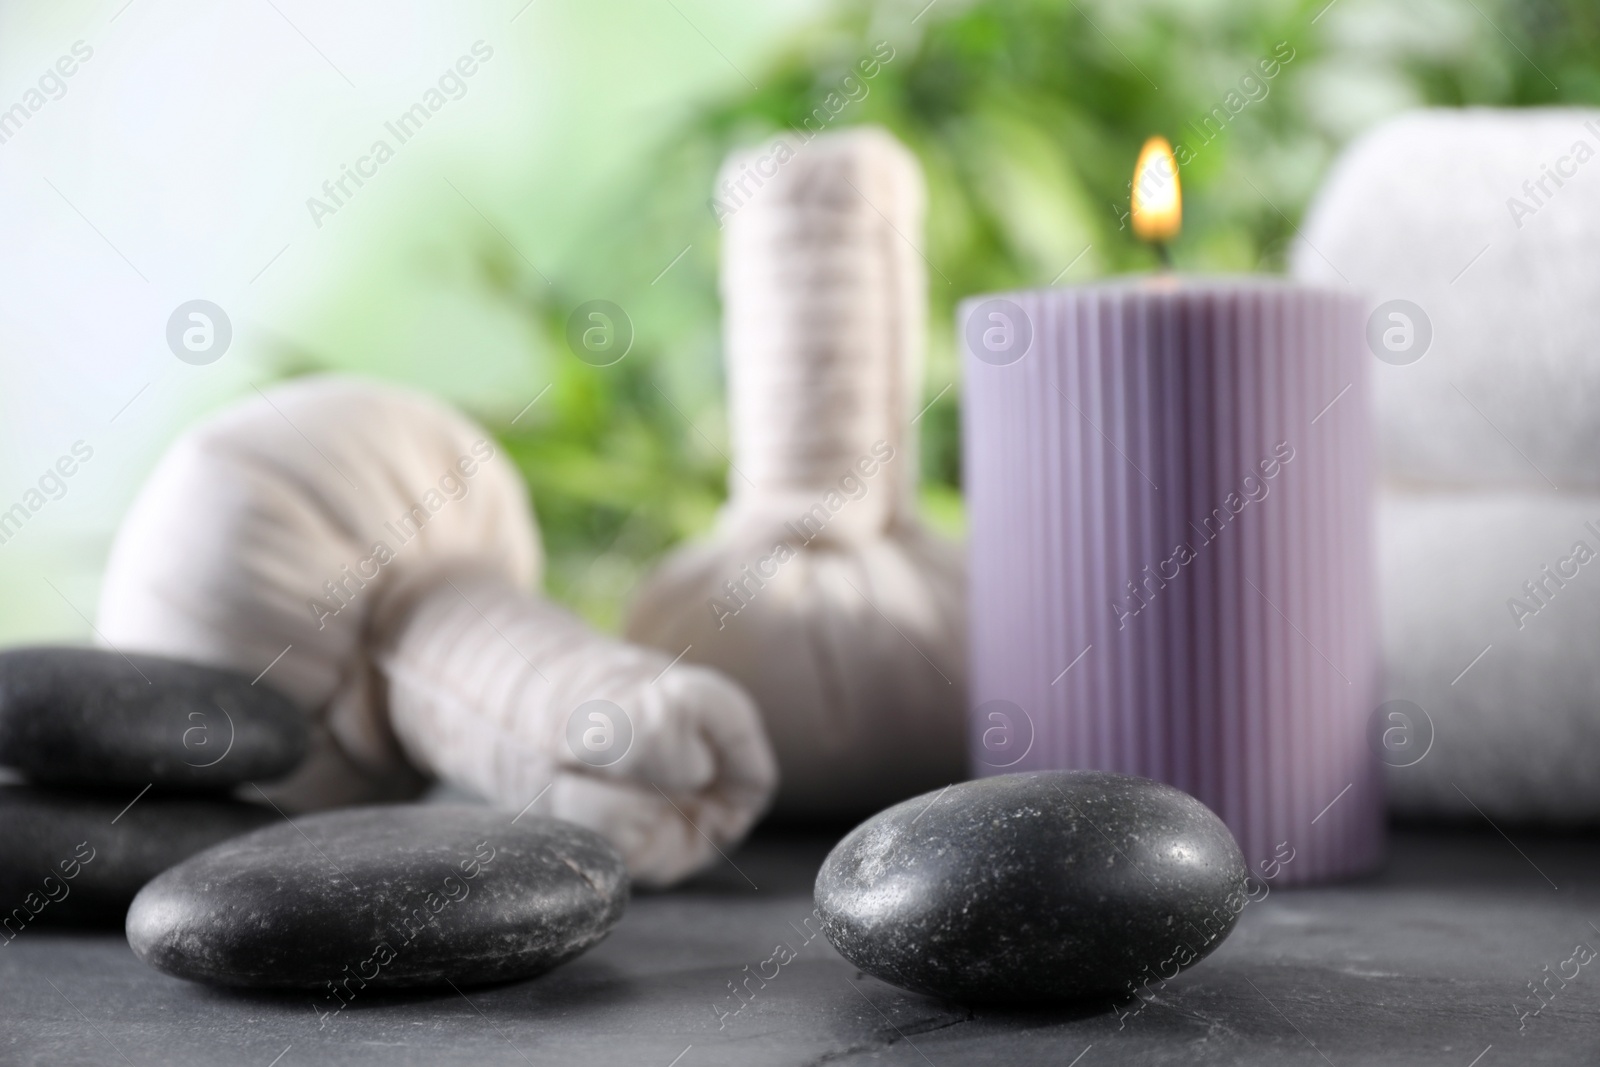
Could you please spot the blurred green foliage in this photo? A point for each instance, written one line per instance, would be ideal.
(1027, 116)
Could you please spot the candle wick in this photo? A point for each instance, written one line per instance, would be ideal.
(1163, 254)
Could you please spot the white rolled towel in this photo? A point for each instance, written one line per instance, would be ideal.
(375, 555)
(820, 590)
(1490, 607)
(1488, 221)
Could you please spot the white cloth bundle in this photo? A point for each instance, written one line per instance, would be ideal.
(820, 591)
(1487, 221)
(376, 551)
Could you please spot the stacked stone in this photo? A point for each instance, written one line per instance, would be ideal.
(128, 765)
(134, 771)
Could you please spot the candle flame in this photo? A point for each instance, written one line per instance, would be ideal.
(1157, 205)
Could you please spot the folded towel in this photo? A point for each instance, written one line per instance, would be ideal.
(1488, 222)
(1490, 611)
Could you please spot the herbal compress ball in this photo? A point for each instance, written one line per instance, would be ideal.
(373, 553)
(820, 591)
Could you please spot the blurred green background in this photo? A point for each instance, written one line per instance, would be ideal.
(1027, 116)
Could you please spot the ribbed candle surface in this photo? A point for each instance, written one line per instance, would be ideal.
(1168, 494)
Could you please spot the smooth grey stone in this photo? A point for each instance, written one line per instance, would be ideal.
(78, 859)
(91, 717)
(387, 896)
(1034, 888)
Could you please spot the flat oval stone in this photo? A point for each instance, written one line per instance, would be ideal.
(1028, 888)
(91, 717)
(397, 895)
(72, 858)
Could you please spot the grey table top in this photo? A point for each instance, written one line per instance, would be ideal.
(1424, 964)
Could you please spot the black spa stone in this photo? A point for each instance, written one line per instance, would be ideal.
(1033, 888)
(78, 859)
(351, 901)
(91, 717)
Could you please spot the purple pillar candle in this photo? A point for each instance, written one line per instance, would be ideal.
(1168, 495)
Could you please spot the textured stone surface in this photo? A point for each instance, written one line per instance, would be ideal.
(1028, 888)
(350, 901)
(86, 716)
(1418, 966)
(73, 858)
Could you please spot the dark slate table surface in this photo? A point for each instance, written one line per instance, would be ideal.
(1423, 964)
